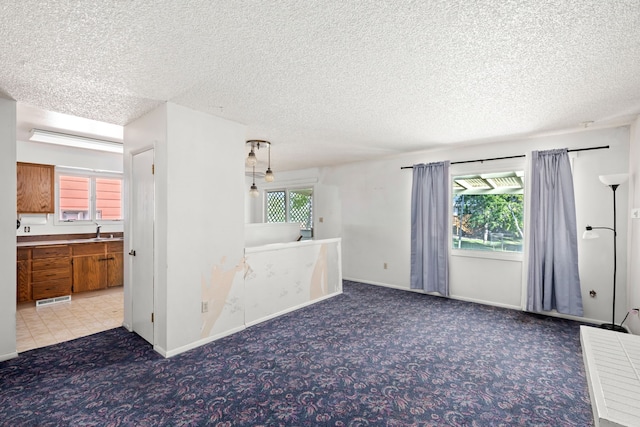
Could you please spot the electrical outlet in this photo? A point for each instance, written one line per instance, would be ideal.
(205, 306)
(385, 266)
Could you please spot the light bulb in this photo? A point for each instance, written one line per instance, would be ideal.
(268, 176)
(251, 159)
(253, 192)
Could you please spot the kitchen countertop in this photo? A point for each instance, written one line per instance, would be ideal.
(68, 242)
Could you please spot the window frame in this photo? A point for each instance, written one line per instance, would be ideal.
(92, 175)
(494, 255)
(287, 190)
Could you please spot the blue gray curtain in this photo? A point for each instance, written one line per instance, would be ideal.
(553, 279)
(430, 200)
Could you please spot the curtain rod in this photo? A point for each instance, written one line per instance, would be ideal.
(515, 157)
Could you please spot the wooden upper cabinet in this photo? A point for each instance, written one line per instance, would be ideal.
(35, 187)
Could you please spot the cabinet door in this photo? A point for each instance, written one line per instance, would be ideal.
(23, 282)
(115, 270)
(89, 273)
(35, 188)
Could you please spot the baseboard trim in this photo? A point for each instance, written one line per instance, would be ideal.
(483, 302)
(196, 344)
(8, 356)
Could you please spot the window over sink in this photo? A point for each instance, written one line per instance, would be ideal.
(88, 196)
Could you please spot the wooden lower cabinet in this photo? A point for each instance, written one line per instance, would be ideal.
(97, 266)
(56, 270)
(89, 267)
(89, 273)
(115, 269)
(23, 275)
(50, 271)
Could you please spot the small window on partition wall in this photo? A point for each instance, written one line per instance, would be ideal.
(291, 205)
(488, 212)
(88, 196)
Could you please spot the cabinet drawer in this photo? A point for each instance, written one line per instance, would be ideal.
(49, 264)
(50, 251)
(51, 275)
(52, 289)
(115, 246)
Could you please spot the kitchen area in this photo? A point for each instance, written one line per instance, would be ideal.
(69, 263)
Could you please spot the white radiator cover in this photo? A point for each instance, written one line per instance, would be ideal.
(612, 365)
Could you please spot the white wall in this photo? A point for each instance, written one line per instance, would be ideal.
(205, 220)
(372, 201)
(7, 229)
(199, 223)
(633, 284)
(57, 155)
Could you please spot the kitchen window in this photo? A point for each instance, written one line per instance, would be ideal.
(88, 196)
(488, 212)
(291, 205)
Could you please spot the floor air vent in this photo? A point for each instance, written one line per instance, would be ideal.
(49, 301)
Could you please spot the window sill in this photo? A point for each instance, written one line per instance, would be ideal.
(501, 256)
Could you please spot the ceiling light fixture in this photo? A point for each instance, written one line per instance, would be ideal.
(253, 191)
(268, 176)
(39, 135)
(252, 161)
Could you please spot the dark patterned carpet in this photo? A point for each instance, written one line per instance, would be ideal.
(370, 357)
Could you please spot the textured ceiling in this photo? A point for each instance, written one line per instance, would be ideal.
(331, 81)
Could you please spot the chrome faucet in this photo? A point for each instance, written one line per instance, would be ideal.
(97, 230)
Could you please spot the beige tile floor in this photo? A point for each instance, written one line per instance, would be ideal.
(87, 313)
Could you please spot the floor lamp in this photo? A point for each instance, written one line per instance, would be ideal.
(613, 181)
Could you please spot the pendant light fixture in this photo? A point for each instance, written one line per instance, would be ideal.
(268, 176)
(253, 191)
(252, 161)
(251, 158)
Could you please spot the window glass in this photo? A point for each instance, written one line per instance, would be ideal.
(87, 196)
(301, 207)
(291, 205)
(108, 198)
(74, 199)
(276, 206)
(488, 212)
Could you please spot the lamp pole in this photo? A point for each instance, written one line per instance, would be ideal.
(612, 181)
(612, 326)
(615, 263)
